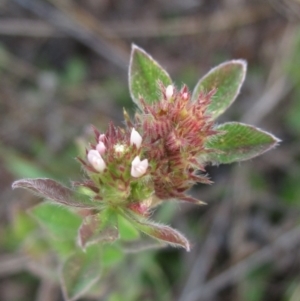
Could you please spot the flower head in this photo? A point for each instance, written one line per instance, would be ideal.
(178, 131)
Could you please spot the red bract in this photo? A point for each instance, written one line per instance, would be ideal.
(176, 131)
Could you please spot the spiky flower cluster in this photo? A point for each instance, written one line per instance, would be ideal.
(156, 157)
(177, 130)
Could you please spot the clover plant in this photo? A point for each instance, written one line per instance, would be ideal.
(156, 158)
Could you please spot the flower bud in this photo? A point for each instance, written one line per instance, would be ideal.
(169, 91)
(138, 167)
(101, 148)
(101, 137)
(185, 95)
(135, 138)
(96, 160)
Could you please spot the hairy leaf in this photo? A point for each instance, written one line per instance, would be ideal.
(164, 233)
(59, 221)
(55, 191)
(80, 272)
(239, 142)
(95, 229)
(144, 75)
(161, 232)
(63, 247)
(227, 80)
(143, 244)
(111, 255)
(127, 231)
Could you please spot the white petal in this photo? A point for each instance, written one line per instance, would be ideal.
(96, 160)
(169, 91)
(144, 163)
(135, 138)
(101, 148)
(138, 167)
(136, 161)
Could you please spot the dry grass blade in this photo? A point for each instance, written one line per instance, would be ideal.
(47, 291)
(12, 264)
(220, 21)
(277, 85)
(238, 271)
(77, 30)
(28, 28)
(206, 257)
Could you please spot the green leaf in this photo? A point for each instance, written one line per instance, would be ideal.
(95, 228)
(80, 272)
(14, 234)
(239, 142)
(127, 230)
(59, 221)
(63, 247)
(55, 191)
(111, 255)
(23, 225)
(143, 244)
(227, 79)
(144, 75)
(163, 233)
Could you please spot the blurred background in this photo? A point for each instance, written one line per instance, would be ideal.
(63, 66)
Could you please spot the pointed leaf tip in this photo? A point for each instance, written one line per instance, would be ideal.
(227, 78)
(144, 75)
(55, 191)
(239, 142)
(161, 232)
(165, 234)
